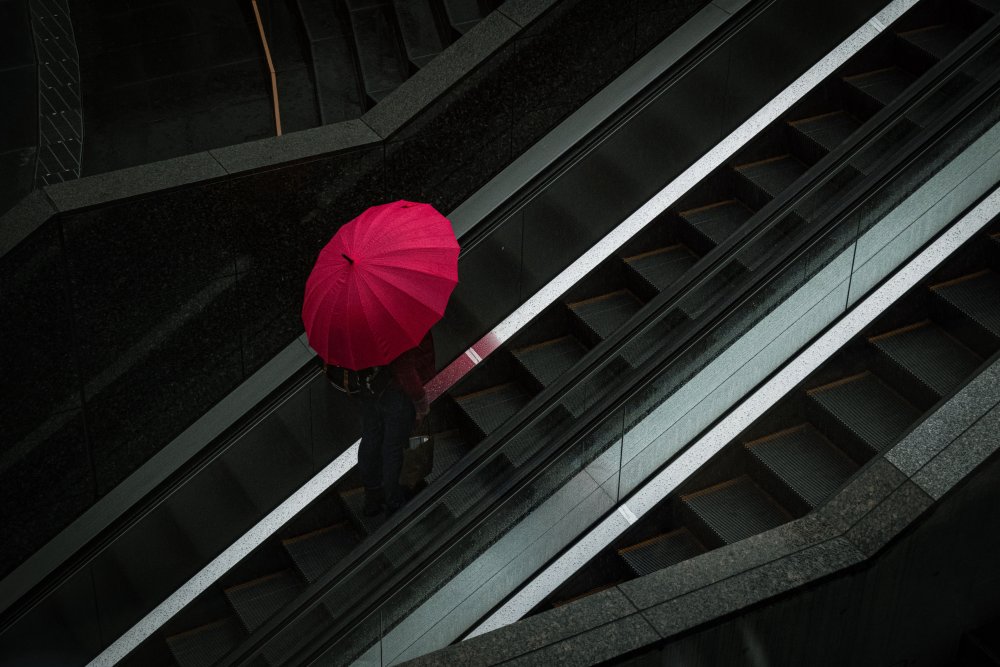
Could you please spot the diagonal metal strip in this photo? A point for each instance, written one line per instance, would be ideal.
(58, 70)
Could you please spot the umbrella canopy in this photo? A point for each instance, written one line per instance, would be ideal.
(380, 284)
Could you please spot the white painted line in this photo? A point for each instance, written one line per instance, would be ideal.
(209, 574)
(669, 479)
(628, 514)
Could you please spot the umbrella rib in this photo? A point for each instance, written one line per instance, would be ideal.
(362, 278)
(402, 291)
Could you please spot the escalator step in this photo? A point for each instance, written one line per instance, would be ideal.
(735, 509)
(870, 412)
(717, 222)
(547, 361)
(828, 130)
(449, 447)
(258, 600)
(662, 267)
(354, 500)
(773, 175)
(928, 355)
(937, 41)
(419, 30)
(975, 298)
(804, 461)
(316, 552)
(882, 85)
(338, 90)
(593, 591)
(661, 551)
(602, 315)
(375, 42)
(206, 645)
(489, 408)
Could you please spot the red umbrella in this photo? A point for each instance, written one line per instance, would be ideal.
(380, 284)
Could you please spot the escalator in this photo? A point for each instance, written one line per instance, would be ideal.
(315, 541)
(843, 116)
(156, 545)
(809, 444)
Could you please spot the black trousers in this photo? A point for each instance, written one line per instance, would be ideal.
(386, 422)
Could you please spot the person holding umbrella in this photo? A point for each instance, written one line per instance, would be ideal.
(377, 288)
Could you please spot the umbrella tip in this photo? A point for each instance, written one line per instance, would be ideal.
(344, 255)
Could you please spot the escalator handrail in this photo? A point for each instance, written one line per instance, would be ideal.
(770, 215)
(541, 461)
(131, 515)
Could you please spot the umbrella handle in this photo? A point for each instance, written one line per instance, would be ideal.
(344, 255)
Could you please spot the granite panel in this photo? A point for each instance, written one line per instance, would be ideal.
(315, 142)
(720, 564)
(568, 65)
(450, 188)
(939, 429)
(888, 518)
(438, 77)
(263, 338)
(658, 18)
(594, 647)
(533, 124)
(593, 612)
(125, 183)
(142, 270)
(446, 138)
(735, 593)
(961, 457)
(127, 426)
(24, 217)
(865, 491)
(570, 14)
(47, 485)
(523, 12)
(40, 375)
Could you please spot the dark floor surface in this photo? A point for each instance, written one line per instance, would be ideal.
(19, 109)
(164, 78)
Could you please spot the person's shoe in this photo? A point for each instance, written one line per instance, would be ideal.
(394, 503)
(374, 498)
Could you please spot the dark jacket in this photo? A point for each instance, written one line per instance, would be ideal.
(413, 369)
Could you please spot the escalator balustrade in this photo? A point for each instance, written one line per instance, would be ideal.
(597, 306)
(809, 444)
